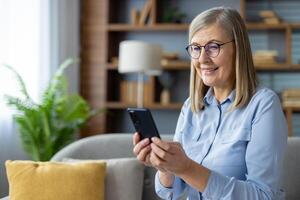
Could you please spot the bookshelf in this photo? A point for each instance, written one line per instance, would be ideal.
(105, 23)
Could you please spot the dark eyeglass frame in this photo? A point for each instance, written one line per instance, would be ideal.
(206, 48)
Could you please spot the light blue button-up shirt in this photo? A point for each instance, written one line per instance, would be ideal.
(243, 148)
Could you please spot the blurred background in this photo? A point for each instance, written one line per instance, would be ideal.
(37, 36)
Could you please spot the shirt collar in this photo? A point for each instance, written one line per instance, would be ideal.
(209, 98)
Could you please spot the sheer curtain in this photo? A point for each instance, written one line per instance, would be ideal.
(20, 36)
(35, 36)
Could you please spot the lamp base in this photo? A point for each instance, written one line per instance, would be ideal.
(165, 97)
(140, 90)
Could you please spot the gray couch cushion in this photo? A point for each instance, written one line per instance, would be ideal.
(108, 146)
(120, 145)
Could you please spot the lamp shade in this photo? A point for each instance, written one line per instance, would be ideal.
(139, 57)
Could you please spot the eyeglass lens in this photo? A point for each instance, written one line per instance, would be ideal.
(211, 49)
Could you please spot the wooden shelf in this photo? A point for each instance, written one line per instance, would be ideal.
(100, 40)
(158, 106)
(295, 25)
(289, 110)
(185, 65)
(155, 27)
(284, 67)
(264, 26)
(178, 65)
(184, 27)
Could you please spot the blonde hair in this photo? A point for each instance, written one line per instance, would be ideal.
(245, 76)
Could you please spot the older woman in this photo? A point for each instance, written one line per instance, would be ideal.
(231, 134)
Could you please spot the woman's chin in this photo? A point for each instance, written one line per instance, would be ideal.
(208, 83)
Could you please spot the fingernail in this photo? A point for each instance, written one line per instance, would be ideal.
(154, 139)
(146, 140)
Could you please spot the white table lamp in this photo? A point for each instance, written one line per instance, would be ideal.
(142, 58)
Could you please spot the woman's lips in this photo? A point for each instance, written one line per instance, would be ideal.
(209, 70)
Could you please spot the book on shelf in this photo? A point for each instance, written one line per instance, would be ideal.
(291, 103)
(175, 63)
(272, 20)
(145, 12)
(265, 57)
(128, 90)
(134, 16)
(267, 13)
(269, 17)
(291, 97)
(291, 93)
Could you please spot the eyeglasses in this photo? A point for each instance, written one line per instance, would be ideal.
(212, 49)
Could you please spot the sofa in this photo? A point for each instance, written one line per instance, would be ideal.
(108, 146)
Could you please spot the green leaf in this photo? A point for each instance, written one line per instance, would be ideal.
(48, 126)
(20, 81)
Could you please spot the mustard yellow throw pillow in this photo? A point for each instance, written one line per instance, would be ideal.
(30, 180)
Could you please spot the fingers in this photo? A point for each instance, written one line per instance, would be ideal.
(164, 145)
(156, 161)
(136, 138)
(143, 154)
(140, 145)
(159, 152)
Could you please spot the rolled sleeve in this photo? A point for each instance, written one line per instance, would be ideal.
(161, 191)
(223, 187)
(215, 186)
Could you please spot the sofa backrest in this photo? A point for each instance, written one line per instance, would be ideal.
(108, 146)
(291, 169)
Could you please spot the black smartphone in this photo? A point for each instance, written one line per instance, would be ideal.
(143, 122)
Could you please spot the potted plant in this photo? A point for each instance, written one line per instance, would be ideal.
(48, 126)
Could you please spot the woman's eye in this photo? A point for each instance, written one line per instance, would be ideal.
(195, 48)
(213, 46)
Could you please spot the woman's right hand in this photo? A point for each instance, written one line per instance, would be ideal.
(142, 149)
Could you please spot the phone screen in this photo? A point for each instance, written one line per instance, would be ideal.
(143, 122)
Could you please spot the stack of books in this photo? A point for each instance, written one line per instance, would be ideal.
(291, 97)
(269, 17)
(265, 57)
(128, 93)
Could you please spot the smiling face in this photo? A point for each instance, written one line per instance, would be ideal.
(217, 72)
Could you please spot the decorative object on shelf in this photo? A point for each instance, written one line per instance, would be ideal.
(142, 58)
(166, 80)
(134, 16)
(48, 126)
(269, 17)
(265, 57)
(170, 55)
(170, 60)
(173, 15)
(146, 15)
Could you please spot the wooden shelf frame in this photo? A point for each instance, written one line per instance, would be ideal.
(272, 67)
(184, 27)
(96, 48)
(154, 27)
(289, 110)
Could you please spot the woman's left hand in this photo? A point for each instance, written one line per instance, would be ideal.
(169, 156)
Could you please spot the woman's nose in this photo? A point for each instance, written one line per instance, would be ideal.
(203, 58)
